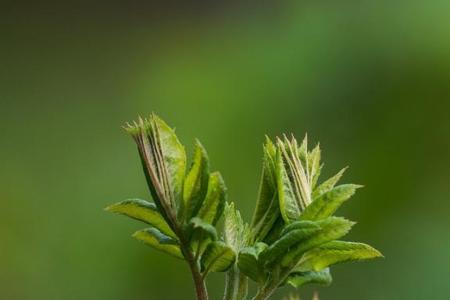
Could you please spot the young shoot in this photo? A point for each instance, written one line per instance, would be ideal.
(293, 238)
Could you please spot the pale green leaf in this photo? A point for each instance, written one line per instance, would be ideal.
(236, 236)
(314, 165)
(196, 182)
(157, 240)
(303, 149)
(331, 229)
(174, 156)
(236, 232)
(218, 257)
(143, 211)
(213, 205)
(289, 207)
(326, 204)
(336, 252)
(301, 278)
(328, 184)
(295, 174)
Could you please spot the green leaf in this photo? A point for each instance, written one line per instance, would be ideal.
(326, 204)
(144, 211)
(330, 229)
(296, 172)
(301, 278)
(249, 263)
(236, 232)
(289, 240)
(197, 224)
(200, 234)
(164, 162)
(196, 182)
(328, 184)
(236, 236)
(289, 208)
(303, 149)
(275, 231)
(267, 207)
(157, 240)
(174, 155)
(336, 252)
(300, 225)
(218, 257)
(314, 165)
(213, 205)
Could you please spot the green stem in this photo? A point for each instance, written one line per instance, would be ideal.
(199, 281)
(271, 285)
(236, 285)
(264, 293)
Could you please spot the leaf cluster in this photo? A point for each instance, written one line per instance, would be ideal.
(187, 204)
(293, 237)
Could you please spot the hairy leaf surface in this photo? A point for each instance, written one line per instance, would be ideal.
(236, 232)
(328, 184)
(289, 208)
(326, 204)
(236, 236)
(336, 252)
(314, 166)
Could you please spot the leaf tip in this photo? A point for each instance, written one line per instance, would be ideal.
(111, 208)
(137, 234)
(377, 253)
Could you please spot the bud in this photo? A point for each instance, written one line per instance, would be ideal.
(297, 172)
(163, 160)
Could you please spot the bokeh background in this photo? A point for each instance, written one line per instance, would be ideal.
(370, 80)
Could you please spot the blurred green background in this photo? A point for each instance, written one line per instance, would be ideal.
(370, 80)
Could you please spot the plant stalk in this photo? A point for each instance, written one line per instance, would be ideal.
(264, 293)
(199, 282)
(270, 286)
(236, 285)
